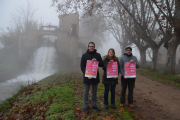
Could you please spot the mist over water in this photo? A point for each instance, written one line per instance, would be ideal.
(43, 64)
(1, 45)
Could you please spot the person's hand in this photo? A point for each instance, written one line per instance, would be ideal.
(94, 59)
(125, 77)
(111, 61)
(114, 77)
(89, 77)
(131, 61)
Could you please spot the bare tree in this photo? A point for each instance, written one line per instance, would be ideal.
(144, 24)
(94, 26)
(169, 27)
(143, 20)
(22, 20)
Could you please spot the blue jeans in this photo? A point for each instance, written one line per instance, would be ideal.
(106, 91)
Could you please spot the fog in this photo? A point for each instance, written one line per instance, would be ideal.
(112, 43)
(49, 15)
(42, 61)
(43, 11)
(1, 45)
(36, 42)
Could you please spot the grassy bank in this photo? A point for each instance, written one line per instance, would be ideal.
(171, 79)
(60, 96)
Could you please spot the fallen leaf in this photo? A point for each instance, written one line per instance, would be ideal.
(138, 115)
(176, 99)
(78, 108)
(121, 110)
(105, 119)
(131, 110)
(112, 117)
(150, 92)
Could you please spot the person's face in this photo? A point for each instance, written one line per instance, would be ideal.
(91, 47)
(110, 53)
(128, 51)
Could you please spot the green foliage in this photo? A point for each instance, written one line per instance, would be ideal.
(59, 96)
(161, 76)
(4, 106)
(50, 99)
(114, 114)
(7, 104)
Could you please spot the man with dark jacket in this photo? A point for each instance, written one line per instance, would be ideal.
(127, 82)
(91, 54)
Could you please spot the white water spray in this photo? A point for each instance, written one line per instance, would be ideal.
(43, 65)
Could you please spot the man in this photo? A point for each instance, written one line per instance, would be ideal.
(127, 82)
(91, 54)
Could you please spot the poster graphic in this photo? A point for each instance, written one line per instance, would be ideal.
(130, 70)
(112, 70)
(91, 68)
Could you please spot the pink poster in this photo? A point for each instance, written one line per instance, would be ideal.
(112, 70)
(91, 68)
(130, 70)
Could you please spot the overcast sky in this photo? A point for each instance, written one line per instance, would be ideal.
(44, 11)
(48, 15)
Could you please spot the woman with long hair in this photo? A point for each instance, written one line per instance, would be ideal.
(110, 83)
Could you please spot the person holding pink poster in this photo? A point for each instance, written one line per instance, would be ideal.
(110, 76)
(89, 62)
(130, 70)
(91, 68)
(128, 65)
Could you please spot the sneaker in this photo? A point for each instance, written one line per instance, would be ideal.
(121, 105)
(106, 106)
(86, 110)
(95, 108)
(113, 106)
(131, 105)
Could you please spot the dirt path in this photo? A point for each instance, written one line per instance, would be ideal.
(155, 100)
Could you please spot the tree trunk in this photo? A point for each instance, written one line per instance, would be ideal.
(155, 58)
(123, 47)
(171, 55)
(143, 58)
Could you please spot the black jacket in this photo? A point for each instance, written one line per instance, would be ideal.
(89, 56)
(109, 81)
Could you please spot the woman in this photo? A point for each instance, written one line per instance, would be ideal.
(110, 83)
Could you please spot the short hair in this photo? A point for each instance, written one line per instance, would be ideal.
(91, 43)
(128, 48)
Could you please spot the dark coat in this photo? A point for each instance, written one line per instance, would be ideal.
(89, 56)
(109, 81)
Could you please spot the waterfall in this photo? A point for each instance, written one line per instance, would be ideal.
(42, 65)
